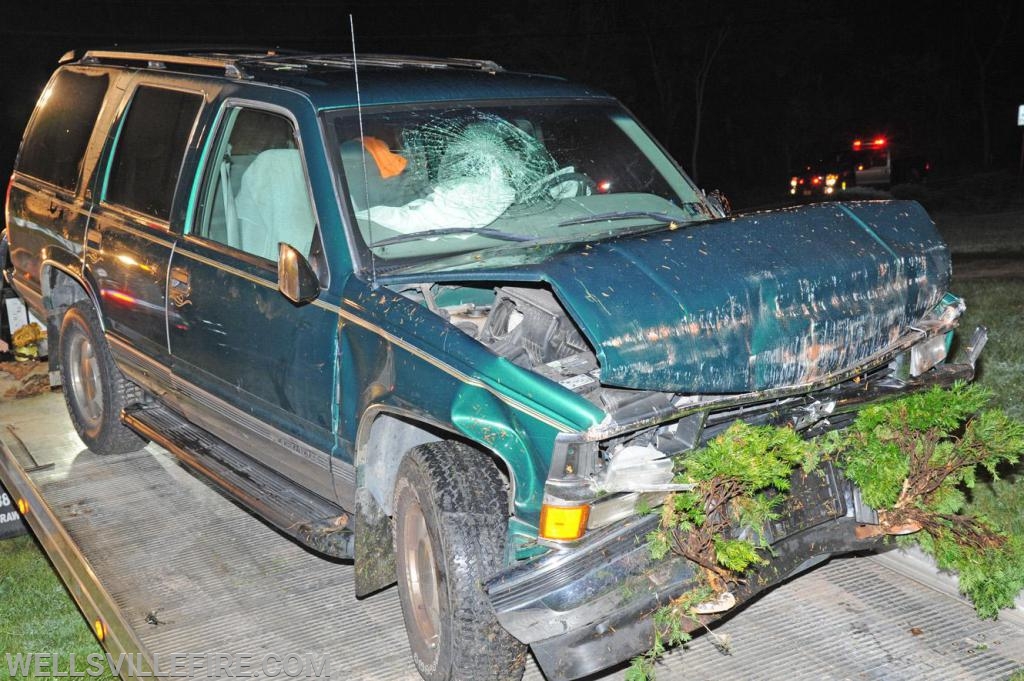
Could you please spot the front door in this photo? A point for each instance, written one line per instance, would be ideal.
(257, 369)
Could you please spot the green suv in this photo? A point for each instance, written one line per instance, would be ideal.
(455, 324)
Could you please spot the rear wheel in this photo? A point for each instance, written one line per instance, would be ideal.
(451, 517)
(95, 390)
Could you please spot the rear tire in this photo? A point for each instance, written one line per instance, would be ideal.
(451, 520)
(94, 388)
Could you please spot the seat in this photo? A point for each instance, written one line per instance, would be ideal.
(273, 205)
(370, 186)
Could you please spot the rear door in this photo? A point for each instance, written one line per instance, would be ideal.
(258, 370)
(129, 241)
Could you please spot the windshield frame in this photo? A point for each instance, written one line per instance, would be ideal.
(366, 264)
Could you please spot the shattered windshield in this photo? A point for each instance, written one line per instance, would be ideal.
(426, 182)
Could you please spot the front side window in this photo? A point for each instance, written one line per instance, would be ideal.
(65, 117)
(150, 150)
(256, 194)
(430, 182)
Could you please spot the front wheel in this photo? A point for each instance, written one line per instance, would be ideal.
(451, 516)
(95, 390)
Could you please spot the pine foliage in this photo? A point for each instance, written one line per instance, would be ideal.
(916, 458)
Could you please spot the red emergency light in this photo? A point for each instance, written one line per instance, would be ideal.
(876, 143)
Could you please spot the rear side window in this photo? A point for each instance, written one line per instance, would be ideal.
(65, 116)
(150, 150)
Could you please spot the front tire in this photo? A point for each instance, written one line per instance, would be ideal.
(94, 389)
(451, 517)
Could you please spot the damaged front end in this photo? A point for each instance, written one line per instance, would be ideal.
(586, 609)
(674, 335)
(589, 602)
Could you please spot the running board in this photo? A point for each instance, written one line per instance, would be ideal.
(312, 520)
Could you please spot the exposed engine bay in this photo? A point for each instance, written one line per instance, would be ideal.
(530, 328)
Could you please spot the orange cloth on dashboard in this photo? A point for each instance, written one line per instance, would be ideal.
(388, 162)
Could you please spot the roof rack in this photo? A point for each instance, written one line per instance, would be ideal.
(225, 62)
(394, 61)
(238, 63)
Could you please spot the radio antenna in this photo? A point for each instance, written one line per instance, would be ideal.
(362, 155)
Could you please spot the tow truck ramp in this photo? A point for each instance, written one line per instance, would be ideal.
(169, 567)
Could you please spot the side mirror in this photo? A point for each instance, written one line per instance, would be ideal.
(296, 279)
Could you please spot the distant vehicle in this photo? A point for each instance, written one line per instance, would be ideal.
(823, 177)
(875, 163)
(879, 163)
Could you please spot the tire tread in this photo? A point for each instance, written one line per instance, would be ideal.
(113, 436)
(471, 501)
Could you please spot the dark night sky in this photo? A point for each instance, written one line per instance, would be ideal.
(788, 80)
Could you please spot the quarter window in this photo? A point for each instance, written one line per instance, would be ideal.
(65, 117)
(150, 150)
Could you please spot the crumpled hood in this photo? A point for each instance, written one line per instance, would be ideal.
(750, 303)
(761, 301)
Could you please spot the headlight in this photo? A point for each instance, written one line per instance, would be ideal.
(927, 354)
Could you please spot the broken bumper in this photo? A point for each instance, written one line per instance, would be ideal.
(591, 607)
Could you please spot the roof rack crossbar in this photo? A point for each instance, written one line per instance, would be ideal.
(234, 64)
(160, 60)
(382, 60)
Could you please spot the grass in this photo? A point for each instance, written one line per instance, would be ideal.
(999, 305)
(37, 614)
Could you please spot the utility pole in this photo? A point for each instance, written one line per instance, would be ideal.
(1020, 124)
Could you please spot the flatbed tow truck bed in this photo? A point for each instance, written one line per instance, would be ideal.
(171, 568)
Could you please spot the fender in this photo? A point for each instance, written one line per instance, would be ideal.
(66, 263)
(376, 469)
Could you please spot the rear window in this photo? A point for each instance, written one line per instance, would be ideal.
(64, 120)
(150, 150)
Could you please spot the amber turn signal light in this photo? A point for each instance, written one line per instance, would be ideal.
(563, 523)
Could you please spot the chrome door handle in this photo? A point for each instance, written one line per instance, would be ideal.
(180, 288)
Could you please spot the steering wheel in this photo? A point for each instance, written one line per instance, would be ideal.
(563, 184)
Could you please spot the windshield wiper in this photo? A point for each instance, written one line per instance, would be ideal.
(444, 231)
(625, 215)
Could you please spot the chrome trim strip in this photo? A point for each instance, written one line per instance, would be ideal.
(447, 368)
(259, 281)
(405, 345)
(227, 413)
(115, 214)
(227, 268)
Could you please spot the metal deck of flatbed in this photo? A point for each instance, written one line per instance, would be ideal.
(211, 578)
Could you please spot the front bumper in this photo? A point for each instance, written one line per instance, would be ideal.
(589, 608)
